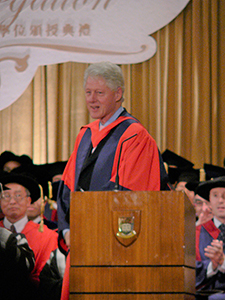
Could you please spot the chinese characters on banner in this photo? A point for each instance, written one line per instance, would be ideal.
(42, 32)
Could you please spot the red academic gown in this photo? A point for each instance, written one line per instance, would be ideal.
(139, 156)
(42, 244)
(140, 165)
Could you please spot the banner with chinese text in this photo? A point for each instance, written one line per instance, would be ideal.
(42, 32)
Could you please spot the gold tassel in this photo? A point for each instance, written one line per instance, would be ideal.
(50, 195)
(50, 190)
(166, 167)
(41, 227)
(202, 175)
(51, 204)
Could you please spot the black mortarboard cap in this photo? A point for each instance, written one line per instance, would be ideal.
(172, 159)
(44, 173)
(204, 188)
(188, 175)
(25, 180)
(50, 169)
(7, 156)
(56, 168)
(192, 185)
(213, 171)
(173, 174)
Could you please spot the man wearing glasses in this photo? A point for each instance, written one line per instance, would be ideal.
(19, 191)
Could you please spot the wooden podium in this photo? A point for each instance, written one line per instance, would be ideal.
(132, 245)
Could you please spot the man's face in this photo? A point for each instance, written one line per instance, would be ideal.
(34, 209)
(14, 202)
(217, 200)
(201, 205)
(101, 101)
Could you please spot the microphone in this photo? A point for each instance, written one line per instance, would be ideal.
(116, 188)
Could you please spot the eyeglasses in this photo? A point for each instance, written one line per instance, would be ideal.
(16, 196)
(198, 202)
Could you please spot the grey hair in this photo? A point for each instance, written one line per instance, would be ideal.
(112, 74)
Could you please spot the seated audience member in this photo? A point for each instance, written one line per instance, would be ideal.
(48, 176)
(202, 207)
(210, 238)
(19, 191)
(189, 190)
(35, 212)
(16, 263)
(57, 262)
(186, 176)
(10, 161)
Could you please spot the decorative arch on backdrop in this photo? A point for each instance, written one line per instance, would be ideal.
(178, 93)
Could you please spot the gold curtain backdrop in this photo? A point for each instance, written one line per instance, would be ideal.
(178, 95)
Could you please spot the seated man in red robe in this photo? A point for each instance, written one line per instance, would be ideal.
(18, 192)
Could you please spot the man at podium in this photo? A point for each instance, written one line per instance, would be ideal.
(115, 152)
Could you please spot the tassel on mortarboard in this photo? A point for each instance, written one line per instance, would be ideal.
(50, 196)
(202, 175)
(41, 227)
(166, 167)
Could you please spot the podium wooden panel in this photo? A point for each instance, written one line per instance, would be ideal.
(159, 264)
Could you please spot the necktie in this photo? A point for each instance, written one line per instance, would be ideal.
(13, 228)
(221, 235)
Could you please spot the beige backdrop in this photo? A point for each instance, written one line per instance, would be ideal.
(178, 95)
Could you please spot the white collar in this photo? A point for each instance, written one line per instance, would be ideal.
(19, 225)
(216, 222)
(112, 119)
(37, 219)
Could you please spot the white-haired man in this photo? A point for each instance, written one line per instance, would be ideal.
(113, 152)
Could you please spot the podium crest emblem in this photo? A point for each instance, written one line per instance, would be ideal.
(126, 226)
